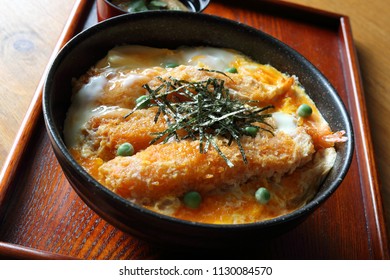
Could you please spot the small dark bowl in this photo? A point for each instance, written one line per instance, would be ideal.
(170, 30)
(106, 10)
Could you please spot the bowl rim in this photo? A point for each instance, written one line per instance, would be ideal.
(56, 137)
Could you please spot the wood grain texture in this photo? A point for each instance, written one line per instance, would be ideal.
(75, 23)
(46, 214)
(29, 31)
(371, 29)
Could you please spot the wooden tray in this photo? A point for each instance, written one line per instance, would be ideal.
(42, 217)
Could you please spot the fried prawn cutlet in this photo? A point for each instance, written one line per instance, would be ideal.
(178, 167)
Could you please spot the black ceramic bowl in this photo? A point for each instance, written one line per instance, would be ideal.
(173, 29)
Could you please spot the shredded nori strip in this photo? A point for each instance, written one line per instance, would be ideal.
(204, 110)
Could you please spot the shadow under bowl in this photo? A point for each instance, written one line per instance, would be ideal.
(171, 30)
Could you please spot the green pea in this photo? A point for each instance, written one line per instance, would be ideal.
(192, 199)
(262, 195)
(143, 101)
(304, 111)
(251, 130)
(171, 65)
(231, 70)
(125, 150)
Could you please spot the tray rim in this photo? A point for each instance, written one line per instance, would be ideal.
(34, 111)
(365, 156)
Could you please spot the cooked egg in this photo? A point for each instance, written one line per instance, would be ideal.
(83, 107)
(285, 122)
(288, 155)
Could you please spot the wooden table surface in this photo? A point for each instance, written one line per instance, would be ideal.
(29, 31)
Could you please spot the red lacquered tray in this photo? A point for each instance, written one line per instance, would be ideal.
(42, 217)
